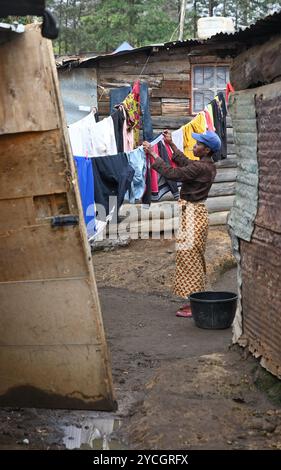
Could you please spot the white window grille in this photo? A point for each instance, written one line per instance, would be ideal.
(207, 81)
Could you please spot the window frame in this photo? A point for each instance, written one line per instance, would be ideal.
(215, 88)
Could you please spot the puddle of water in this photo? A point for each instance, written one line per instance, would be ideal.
(94, 433)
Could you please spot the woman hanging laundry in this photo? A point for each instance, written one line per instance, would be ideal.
(197, 178)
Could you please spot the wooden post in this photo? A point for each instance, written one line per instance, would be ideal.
(182, 18)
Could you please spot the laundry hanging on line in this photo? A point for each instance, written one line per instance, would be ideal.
(119, 119)
(219, 113)
(86, 188)
(124, 134)
(161, 185)
(110, 137)
(197, 125)
(112, 179)
(137, 160)
(229, 89)
(89, 138)
(117, 96)
(140, 92)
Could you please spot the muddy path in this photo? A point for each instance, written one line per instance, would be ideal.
(178, 387)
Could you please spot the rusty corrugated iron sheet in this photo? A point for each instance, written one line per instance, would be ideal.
(261, 299)
(261, 258)
(269, 161)
(243, 212)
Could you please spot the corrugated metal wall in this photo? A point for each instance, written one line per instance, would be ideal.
(261, 259)
(243, 113)
(79, 89)
(260, 242)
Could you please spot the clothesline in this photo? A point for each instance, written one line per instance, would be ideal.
(110, 160)
(144, 67)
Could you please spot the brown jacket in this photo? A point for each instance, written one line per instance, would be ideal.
(196, 177)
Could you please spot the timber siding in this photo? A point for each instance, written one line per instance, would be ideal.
(169, 77)
(168, 72)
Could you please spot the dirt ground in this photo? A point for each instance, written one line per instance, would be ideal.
(147, 265)
(177, 386)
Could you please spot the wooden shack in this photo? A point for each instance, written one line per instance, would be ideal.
(182, 78)
(53, 351)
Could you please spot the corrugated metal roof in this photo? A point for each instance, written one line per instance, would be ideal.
(256, 32)
(243, 114)
(267, 26)
(78, 60)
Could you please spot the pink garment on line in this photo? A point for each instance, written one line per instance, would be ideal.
(154, 174)
(136, 90)
(209, 121)
(128, 135)
(229, 89)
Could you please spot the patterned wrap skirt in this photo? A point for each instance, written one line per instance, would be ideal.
(190, 274)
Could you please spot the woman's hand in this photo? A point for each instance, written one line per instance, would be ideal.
(167, 137)
(147, 147)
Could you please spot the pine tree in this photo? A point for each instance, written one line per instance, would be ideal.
(101, 25)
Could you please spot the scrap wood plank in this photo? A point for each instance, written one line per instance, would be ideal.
(171, 89)
(61, 256)
(31, 164)
(26, 105)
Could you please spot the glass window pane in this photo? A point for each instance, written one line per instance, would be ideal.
(208, 96)
(198, 77)
(201, 99)
(198, 101)
(209, 75)
(222, 76)
(203, 77)
(208, 81)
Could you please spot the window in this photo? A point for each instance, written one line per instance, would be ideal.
(207, 82)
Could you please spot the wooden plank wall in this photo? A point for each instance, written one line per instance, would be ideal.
(169, 74)
(53, 351)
